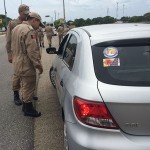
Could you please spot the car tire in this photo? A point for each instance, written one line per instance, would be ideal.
(66, 146)
(52, 77)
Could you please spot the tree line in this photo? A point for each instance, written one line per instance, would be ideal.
(99, 20)
(108, 19)
(5, 21)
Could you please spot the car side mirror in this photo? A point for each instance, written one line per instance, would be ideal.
(51, 50)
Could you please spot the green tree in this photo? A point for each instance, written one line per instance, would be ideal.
(125, 19)
(108, 19)
(56, 23)
(136, 19)
(98, 20)
(146, 17)
(79, 22)
(88, 21)
(5, 21)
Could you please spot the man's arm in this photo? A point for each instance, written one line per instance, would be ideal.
(8, 42)
(33, 50)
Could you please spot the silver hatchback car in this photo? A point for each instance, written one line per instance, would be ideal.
(102, 77)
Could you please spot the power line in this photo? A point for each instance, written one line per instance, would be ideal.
(117, 11)
(5, 13)
(64, 11)
(107, 11)
(123, 9)
(55, 14)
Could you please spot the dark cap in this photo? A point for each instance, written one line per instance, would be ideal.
(24, 8)
(37, 16)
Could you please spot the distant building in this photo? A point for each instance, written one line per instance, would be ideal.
(119, 22)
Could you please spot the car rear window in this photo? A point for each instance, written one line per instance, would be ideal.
(123, 62)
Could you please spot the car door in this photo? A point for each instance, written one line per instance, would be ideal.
(66, 64)
(59, 67)
(69, 58)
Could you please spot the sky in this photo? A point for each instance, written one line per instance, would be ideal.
(75, 9)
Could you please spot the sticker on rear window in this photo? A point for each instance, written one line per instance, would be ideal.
(110, 52)
(107, 62)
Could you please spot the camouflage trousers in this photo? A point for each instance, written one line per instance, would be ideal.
(27, 85)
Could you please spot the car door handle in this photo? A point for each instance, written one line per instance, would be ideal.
(61, 83)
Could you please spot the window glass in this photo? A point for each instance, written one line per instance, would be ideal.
(123, 63)
(70, 50)
(63, 45)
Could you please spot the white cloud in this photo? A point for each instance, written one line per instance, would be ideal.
(79, 8)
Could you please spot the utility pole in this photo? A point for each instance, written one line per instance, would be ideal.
(64, 12)
(117, 11)
(123, 9)
(5, 14)
(107, 11)
(55, 14)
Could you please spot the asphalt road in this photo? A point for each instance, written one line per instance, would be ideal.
(48, 129)
(18, 132)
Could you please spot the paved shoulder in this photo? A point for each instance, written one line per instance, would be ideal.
(48, 129)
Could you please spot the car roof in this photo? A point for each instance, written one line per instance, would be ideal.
(95, 30)
(107, 32)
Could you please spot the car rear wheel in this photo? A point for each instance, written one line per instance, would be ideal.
(66, 146)
(52, 77)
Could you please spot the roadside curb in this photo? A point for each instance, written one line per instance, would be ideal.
(2, 34)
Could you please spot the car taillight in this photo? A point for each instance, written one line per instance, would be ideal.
(93, 114)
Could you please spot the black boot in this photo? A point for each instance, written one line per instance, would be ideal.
(23, 106)
(17, 99)
(30, 110)
(35, 98)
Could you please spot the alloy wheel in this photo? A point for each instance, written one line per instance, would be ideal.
(52, 77)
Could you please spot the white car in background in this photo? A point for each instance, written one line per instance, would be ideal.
(102, 77)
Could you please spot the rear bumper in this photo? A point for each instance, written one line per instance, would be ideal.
(81, 137)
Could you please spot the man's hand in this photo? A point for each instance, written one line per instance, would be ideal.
(10, 58)
(40, 68)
